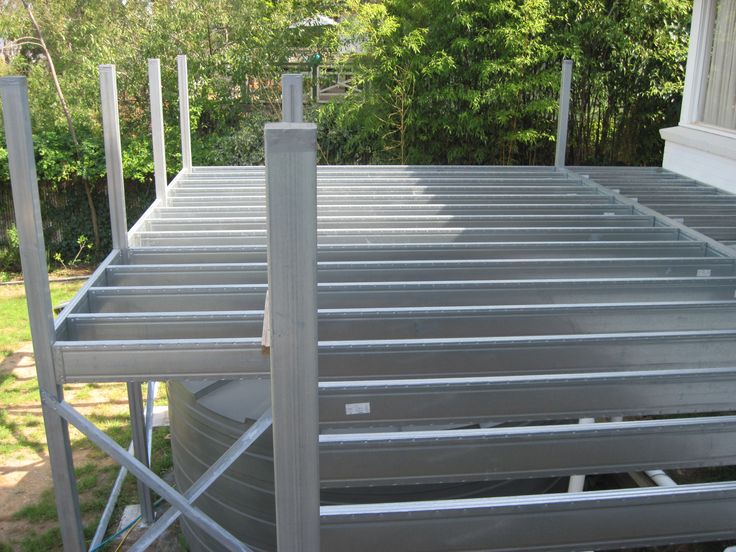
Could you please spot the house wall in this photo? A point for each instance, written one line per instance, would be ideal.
(693, 149)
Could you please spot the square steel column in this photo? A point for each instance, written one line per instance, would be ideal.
(118, 221)
(14, 91)
(291, 197)
(186, 135)
(113, 157)
(564, 113)
(292, 105)
(157, 128)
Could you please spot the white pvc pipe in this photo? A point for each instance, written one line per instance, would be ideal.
(658, 476)
(661, 478)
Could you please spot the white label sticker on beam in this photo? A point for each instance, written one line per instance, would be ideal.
(703, 272)
(351, 409)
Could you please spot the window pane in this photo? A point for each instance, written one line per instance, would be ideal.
(720, 97)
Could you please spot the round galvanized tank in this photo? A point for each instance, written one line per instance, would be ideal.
(207, 417)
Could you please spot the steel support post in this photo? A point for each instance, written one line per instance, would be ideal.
(119, 224)
(157, 128)
(113, 157)
(14, 92)
(140, 446)
(564, 113)
(292, 106)
(291, 179)
(186, 137)
(151, 389)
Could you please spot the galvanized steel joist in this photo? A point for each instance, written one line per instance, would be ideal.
(447, 295)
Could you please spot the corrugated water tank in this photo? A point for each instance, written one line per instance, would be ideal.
(208, 416)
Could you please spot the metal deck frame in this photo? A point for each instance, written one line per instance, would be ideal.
(552, 378)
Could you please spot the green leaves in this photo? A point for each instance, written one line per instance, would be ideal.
(476, 81)
(438, 81)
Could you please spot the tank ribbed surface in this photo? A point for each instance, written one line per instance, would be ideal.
(242, 499)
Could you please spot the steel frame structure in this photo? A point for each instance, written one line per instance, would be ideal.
(443, 296)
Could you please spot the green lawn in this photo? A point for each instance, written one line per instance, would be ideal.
(22, 436)
(14, 328)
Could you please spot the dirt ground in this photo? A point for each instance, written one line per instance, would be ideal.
(22, 479)
(25, 478)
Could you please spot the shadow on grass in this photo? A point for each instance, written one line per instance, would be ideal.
(21, 440)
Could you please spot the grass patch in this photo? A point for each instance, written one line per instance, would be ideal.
(42, 541)
(95, 475)
(43, 510)
(14, 329)
(22, 435)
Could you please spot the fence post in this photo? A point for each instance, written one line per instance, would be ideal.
(113, 157)
(186, 137)
(14, 92)
(292, 108)
(157, 128)
(564, 113)
(291, 197)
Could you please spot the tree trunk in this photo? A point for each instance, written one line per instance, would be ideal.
(69, 122)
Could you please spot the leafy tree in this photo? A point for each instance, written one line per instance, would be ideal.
(467, 82)
(629, 72)
(236, 52)
(439, 81)
(475, 81)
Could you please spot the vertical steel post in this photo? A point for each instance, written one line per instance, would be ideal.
(292, 106)
(291, 198)
(140, 446)
(113, 157)
(14, 92)
(315, 83)
(157, 128)
(564, 113)
(186, 136)
(119, 224)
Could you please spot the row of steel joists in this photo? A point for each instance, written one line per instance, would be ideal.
(440, 309)
(705, 208)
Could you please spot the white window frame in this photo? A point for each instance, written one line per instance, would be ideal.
(698, 64)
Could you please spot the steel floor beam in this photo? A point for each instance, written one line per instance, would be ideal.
(451, 297)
